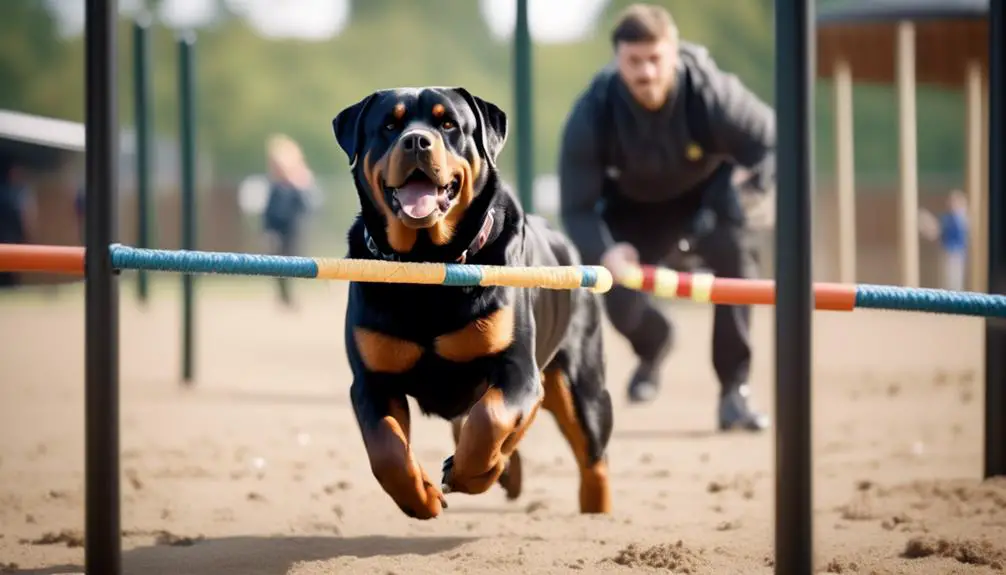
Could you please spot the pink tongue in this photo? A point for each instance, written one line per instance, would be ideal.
(418, 200)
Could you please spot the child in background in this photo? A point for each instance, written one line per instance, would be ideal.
(292, 194)
(951, 230)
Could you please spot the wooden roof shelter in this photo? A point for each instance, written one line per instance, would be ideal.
(907, 42)
(948, 35)
(38, 142)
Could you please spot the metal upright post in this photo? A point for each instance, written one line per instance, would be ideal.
(794, 526)
(995, 332)
(187, 137)
(103, 542)
(141, 109)
(524, 106)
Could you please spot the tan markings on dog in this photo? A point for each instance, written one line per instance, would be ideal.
(400, 165)
(595, 495)
(484, 336)
(488, 437)
(438, 110)
(395, 468)
(468, 172)
(400, 238)
(399, 111)
(384, 353)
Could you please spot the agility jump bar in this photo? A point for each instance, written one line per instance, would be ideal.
(70, 260)
(659, 281)
(707, 288)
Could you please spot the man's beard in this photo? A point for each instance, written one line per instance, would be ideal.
(650, 93)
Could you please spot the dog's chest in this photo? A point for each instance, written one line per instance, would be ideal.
(488, 335)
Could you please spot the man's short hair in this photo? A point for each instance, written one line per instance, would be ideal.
(644, 23)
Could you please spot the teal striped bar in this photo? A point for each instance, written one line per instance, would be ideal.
(184, 261)
(462, 275)
(930, 300)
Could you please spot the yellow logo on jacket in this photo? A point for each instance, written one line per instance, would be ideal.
(693, 152)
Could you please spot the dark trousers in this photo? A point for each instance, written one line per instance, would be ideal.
(655, 230)
(285, 244)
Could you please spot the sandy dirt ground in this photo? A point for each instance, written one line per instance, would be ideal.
(260, 468)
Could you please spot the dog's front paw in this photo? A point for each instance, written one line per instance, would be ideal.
(511, 479)
(428, 501)
(455, 481)
(413, 491)
(447, 469)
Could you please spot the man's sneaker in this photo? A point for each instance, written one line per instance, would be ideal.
(736, 412)
(645, 383)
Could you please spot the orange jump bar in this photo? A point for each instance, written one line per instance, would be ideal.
(48, 259)
(707, 288)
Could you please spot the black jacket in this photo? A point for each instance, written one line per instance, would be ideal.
(709, 124)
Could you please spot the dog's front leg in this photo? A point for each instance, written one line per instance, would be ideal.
(512, 477)
(495, 425)
(384, 422)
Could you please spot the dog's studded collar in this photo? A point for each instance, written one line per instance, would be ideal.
(477, 244)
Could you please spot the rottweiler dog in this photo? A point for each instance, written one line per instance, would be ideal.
(486, 358)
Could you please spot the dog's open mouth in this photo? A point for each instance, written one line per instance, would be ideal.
(421, 201)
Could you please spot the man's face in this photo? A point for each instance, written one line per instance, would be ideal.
(648, 69)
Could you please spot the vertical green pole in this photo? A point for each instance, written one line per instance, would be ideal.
(186, 136)
(524, 108)
(141, 106)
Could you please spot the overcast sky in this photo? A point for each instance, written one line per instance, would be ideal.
(552, 21)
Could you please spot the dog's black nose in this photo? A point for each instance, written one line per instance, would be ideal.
(416, 142)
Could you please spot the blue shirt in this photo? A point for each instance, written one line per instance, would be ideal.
(954, 232)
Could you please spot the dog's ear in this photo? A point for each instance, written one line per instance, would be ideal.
(491, 128)
(348, 128)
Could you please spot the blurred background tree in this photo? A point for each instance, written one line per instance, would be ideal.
(291, 65)
(251, 84)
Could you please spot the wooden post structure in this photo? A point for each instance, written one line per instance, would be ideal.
(981, 223)
(974, 176)
(908, 193)
(845, 173)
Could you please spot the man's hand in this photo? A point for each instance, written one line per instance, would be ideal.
(741, 176)
(619, 257)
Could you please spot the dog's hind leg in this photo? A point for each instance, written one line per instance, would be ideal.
(512, 478)
(583, 412)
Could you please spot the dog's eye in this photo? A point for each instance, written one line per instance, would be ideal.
(447, 125)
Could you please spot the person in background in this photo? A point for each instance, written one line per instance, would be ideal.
(653, 153)
(17, 212)
(950, 229)
(292, 195)
(79, 207)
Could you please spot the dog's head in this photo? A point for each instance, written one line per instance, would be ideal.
(420, 157)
